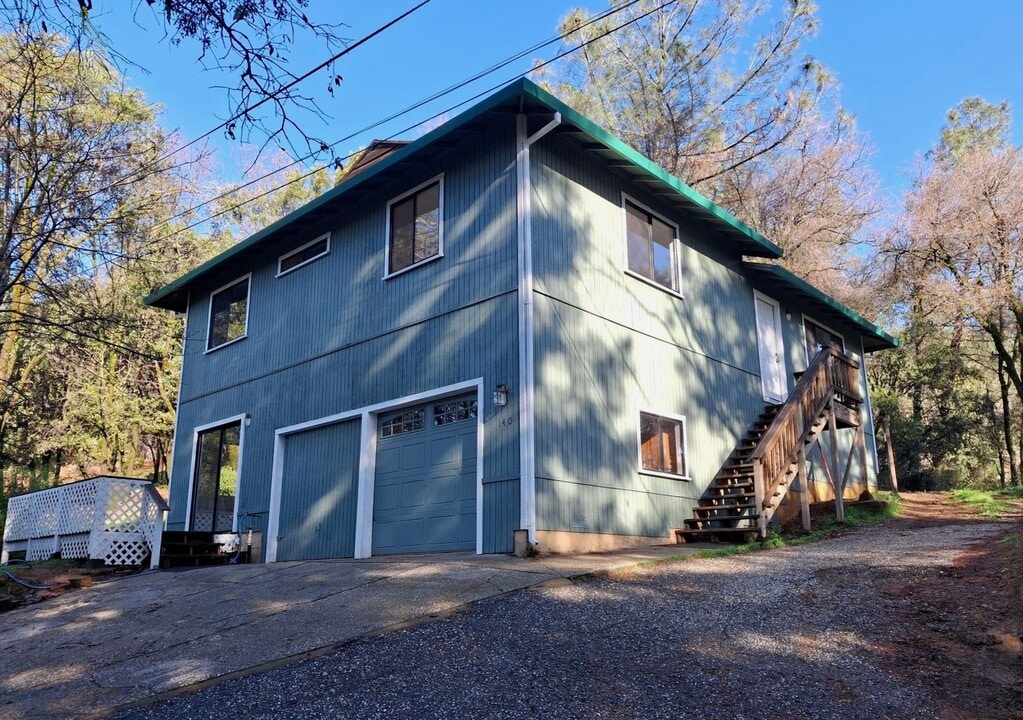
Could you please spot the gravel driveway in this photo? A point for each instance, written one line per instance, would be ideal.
(778, 634)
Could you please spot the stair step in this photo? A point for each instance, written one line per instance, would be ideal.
(729, 506)
(720, 518)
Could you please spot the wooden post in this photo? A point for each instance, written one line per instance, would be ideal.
(891, 455)
(758, 497)
(836, 484)
(804, 486)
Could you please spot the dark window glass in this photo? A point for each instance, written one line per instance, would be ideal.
(228, 314)
(452, 412)
(817, 338)
(651, 247)
(415, 228)
(216, 479)
(311, 252)
(405, 423)
(660, 443)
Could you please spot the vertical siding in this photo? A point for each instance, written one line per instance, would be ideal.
(500, 515)
(334, 335)
(318, 493)
(609, 344)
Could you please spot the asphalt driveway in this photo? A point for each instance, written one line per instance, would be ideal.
(794, 634)
(89, 652)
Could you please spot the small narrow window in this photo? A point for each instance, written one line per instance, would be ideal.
(229, 312)
(662, 444)
(305, 254)
(452, 412)
(406, 422)
(652, 247)
(415, 228)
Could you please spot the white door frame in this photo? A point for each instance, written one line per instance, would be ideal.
(780, 349)
(243, 420)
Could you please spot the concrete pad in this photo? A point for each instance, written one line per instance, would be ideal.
(89, 652)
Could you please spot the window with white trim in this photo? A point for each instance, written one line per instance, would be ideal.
(229, 313)
(414, 228)
(652, 247)
(662, 444)
(303, 255)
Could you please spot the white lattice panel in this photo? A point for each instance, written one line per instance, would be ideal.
(40, 549)
(116, 520)
(74, 546)
(19, 518)
(79, 502)
(46, 511)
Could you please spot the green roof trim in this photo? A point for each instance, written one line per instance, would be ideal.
(628, 153)
(777, 272)
(516, 89)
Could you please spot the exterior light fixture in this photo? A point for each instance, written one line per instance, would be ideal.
(501, 395)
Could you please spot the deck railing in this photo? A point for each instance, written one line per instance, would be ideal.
(831, 377)
(116, 520)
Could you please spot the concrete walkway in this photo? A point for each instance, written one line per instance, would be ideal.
(92, 651)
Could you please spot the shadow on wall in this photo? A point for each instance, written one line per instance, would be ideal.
(610, 345)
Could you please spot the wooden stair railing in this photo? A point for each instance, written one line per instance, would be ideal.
(828, 387)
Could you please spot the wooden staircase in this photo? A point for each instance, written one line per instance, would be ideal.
(749, 488)
(190, 549)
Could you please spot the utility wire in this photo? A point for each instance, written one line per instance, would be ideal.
(440, 114)
(415, 106)
(428, 120)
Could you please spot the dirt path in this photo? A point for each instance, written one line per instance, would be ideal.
(961, 628)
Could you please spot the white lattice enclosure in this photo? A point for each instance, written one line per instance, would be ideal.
(116, 520)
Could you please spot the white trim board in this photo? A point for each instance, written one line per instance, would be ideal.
(367, 463)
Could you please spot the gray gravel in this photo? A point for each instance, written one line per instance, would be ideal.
(796, 633)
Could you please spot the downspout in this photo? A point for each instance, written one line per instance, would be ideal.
(527, 371)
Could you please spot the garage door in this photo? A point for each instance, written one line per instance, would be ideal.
(424, 496)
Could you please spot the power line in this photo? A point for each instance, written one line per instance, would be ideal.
(246, 110)
(477, 76)
(411, 127)
(415, 106)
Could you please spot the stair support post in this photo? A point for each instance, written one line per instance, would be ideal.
(837, 484)
(804, 487)
(758, 494)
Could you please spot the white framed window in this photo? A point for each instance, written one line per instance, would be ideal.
(229, 314)
(415, 227)
(304, 255)
(662, 445)
(818, 336)
(651, 247)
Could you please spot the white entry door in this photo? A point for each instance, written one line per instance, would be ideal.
(772, 355)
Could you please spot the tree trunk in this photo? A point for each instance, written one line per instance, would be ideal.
(1010, 446)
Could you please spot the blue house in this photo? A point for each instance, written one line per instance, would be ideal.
(514, 324)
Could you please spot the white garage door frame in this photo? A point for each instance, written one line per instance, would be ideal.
(367, 463)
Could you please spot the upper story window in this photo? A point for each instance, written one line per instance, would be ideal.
(819, 337)
(414, 227)
(662, 447)
(303, 255)
(652, 247)
(229, 314)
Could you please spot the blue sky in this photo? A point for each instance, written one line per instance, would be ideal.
(901, 64)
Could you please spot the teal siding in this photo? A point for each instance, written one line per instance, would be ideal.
(500, 514)
(609, 344)
(318, 491)
(334, 335)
